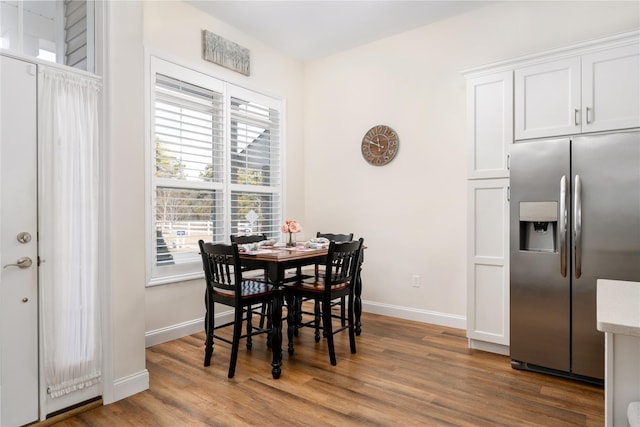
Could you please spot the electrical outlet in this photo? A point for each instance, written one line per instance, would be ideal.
(415, 280)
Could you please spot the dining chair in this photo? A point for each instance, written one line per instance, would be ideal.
(254, 238)
(336, 238)
(340, 303)
(317, 272)
(226, 285)
(341, 271)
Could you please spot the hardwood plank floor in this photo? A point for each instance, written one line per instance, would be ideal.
(405, 373)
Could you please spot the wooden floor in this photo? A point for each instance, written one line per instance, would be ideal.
(404, 374)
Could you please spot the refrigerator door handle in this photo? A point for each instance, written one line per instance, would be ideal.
(577, 226)
(563, 226)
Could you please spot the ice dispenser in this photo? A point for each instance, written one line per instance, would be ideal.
(538, 226)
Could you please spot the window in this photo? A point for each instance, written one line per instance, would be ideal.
(56, 31)
(215, 151)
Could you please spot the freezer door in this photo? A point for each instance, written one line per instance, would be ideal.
(606, 233)
(540, 293)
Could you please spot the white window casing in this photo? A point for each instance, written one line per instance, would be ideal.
(215, 167)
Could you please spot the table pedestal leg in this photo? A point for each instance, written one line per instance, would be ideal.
(292, 316)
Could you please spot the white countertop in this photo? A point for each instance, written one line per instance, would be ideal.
(618, 305)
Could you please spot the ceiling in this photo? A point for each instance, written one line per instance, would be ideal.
(307, 30)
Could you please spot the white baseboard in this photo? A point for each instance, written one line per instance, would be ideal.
(179, 330)
(127, 386)
(408, 313)
(489, 346)
(173, 332)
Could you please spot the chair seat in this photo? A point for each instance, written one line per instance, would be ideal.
(317, 285)
(248, 289)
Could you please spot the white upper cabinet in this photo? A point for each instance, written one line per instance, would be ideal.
(489, 124)
(547, 99)
(593, 92)
(611, 89)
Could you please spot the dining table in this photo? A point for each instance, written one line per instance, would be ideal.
(283, 265)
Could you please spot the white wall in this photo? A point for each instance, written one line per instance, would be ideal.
(125, 132)
(412, 212)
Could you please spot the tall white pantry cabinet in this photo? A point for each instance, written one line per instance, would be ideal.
(590, 87)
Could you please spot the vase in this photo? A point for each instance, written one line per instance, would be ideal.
(291, 243)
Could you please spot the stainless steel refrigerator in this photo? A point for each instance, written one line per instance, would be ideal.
(575, 218)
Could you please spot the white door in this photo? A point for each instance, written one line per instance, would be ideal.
(18, 244)
(547, 99)
(490, 124)
(611, 89)
(488, 264)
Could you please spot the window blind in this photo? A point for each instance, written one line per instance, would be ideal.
(255, 168)
(189, 161)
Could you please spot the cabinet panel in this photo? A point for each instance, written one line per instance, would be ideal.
(611, 89)
(488, 261)
(489, 227)
(489, 298)
(490, 124)
(547, 99)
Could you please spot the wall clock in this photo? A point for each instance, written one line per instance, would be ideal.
(380, 145)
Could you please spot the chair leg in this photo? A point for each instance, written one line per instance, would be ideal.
(249, 328)
(352, 327)
(263, 314)
(269, 324)
(208, 328)
(343, 317)
(328, 327)
(317, 319)
(235, 343)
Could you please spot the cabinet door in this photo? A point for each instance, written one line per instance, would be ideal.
(489, 124)
(547, 99)
(611, 89)
(488, 261)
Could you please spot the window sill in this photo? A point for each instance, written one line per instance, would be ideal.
(175, 279)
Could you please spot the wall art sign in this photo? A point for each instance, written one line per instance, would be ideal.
(226, 53)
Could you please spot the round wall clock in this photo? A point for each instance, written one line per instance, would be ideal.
(380, 145)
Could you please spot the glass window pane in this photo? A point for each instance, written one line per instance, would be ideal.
(40, 29)
(57, 31)
(255, 213)
(184, 216)
(187, 128)
(9, 25)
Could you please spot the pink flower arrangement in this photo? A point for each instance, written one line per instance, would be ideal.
(291, 226)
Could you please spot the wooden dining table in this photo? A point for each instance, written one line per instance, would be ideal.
(276, 262)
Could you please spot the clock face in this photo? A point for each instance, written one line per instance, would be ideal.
(380, 145)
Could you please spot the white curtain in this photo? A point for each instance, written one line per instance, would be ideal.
(68, 232)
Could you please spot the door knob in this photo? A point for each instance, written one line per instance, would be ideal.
(23, 237)
(24, 262)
